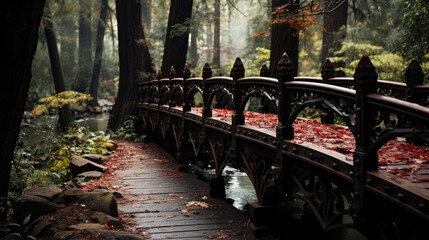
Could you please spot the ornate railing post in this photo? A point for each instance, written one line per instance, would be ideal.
(186, 74)
(181, 151)
(328, 72)
(413, 76)
(207, 73)
(237, 72)
(365, 80)
(285, 73)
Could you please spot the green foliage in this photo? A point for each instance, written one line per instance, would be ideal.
(253, 66)
(389, 66)
(52, 152)
(413, 42)
(59, 100)
(16, 230)
(127, 131)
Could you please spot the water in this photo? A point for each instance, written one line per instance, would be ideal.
(96, 122)
(239, 188)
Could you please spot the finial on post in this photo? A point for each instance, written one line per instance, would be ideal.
(186, 72)
(328, 71)
(207, 71)
(265, 72)
(365, 76)
(172, 72)
(238, 70)
(285, 69)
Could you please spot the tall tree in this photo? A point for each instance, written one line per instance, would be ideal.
(85, 47)
(334, 23)
(216, 31)
(21, 20)
(284, 38)
(93, 89)
(134, 60)
(64, 113)
(147, 14)
(176, 41)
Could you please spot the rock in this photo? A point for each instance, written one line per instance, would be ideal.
(41, 226)
(79, 165)
(101, 201)
(103, 218)
(71, 194)
(90, 175)
(45, 192)
(33, 206)
(95, 157)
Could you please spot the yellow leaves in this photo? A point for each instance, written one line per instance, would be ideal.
(59, 100)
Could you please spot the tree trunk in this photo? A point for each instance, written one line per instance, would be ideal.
(176, 46)
(216, 40)
(334, 23)
(20, 20)
(147, 14)
(134, 61)
(64, 113)
(284, 39)
(67, 37)
(85, 47)
(93, 90)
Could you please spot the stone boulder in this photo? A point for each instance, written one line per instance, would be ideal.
(101, 201)
(79, 165)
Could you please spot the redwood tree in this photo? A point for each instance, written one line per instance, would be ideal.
(93, 88)
(284, 38)
(85, 47)
(134, 60)
(20, 20)
(64, 113)
(334, 23)
(176, 42)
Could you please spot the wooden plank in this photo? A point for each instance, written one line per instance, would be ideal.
(156, 195)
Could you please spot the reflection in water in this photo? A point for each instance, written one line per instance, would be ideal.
(97, 122)
(239, 188)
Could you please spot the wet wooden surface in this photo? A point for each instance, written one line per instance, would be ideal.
(165, 203)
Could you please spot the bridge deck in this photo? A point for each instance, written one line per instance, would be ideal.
(165, 203)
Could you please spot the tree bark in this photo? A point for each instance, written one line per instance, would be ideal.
(20, 20)
(284, 39)
(85, 47)
(334, 23)
(147, 14)
(134, 61)
(93, 89)
(216, 31)
(67, 29)
(64, 113)
(176, 46)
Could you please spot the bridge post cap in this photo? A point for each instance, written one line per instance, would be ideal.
(172, 72)
(328, 70)
(237, 70)
(265, 72)
(414, 74)
(207, 71)
(365, 76)
(186, 72)
(285, 69)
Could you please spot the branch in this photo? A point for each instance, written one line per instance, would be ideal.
(233, 5)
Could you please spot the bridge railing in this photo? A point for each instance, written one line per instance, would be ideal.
(209, 118)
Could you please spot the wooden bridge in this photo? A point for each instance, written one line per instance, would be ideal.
(361, 162)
